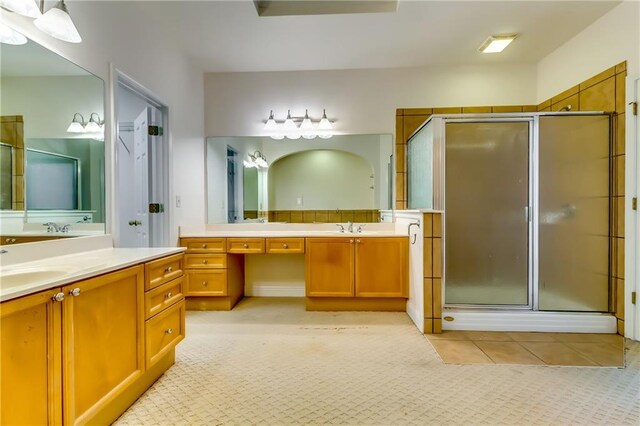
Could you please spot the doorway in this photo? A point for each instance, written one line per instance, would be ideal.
(142, 171)
(232, 185)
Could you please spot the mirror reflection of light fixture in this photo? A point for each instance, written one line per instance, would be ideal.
(94, 126)
(76, 126)
(258, 159)
(307, 128)
(10, 36)
(27, 8)
(58, 23)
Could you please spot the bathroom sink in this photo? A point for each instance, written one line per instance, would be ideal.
(19, 277)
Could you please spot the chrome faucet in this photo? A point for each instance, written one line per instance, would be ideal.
(341, 227)
(359, 230)
(52, 227)
(65, 228)
(350, 226)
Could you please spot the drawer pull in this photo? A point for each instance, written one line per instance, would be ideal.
(285, 246)
(205, 283)
(245, 245)
(204, 246)
(168, 270)
(168, 295)
(205, 261)
(169, 330)
(75, 292)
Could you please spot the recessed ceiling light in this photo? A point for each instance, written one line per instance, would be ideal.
(496, 43)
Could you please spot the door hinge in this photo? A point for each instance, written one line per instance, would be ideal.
(156, 208)
(634, 203)
(634, 107)
(633, 297)
(155, 131)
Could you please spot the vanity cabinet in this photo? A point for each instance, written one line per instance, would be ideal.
(83, 353)
(30, 367)
(357, 267)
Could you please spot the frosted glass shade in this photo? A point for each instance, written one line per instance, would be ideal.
(93, 127)
(57, 23)
(75, 127)
(306, 127)
(27, 8)
(290, 129)
(10, 36)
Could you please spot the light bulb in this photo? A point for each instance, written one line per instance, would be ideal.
(324, 127)
(57, 23)
(27, 8)
(306, 127)
(10, 36)
(290, 129)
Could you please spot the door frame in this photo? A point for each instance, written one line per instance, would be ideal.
(161, 232)
(632, 218)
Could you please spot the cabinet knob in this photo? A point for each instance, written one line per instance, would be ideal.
(205, 261)
(75, 292)
(168, 295)
(285, 245)
(204, 246)
(245, 245)
(205, 283)
(169, 330)
(351, 241)
(357, 241)
(58, 297)
(168, 270)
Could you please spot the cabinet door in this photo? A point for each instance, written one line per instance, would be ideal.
(30, 371)
(103, 340)
(329, 267)
(382, 267)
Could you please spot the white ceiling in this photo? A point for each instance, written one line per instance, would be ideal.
(229, 36)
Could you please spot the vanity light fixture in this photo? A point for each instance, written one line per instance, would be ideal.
(259, 160)
(497, 43)
(94, 126)
(10, 36)
(291, 130)
(76, 126)
(27, 8)
(58, 23)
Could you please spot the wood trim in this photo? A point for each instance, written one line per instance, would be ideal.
(356, 304)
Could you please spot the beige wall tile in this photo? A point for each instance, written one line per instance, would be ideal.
(620, 258)
(619, 298)
(619, 219)
(323, 216)
(544, 105)
(507, 108)
(508, 353)
(359, 216)
(437, 257)
(599, 97)
(428, 257)
(529, 108)
(19, 188)
(309, 216)
(401, 154)
(418, 111)
(573, 101)
(476, 110)
(399, 130)
(8, 133)
(620, 134)
(621, 327)
(621, 67)
(411, 123)
(566, 94)
(428, 297)
(399, 111)
(437, 298)
(447, 110)
(598, 78)
(346, 216)
(621, 103)
(400, 185)
(334, 216)
(428, 326)
(296, 217)
(619, 173)
(283, 216)
(547, 109)
(19, 153)
(401, 204)
(437, 325)
(437, 225)
(427, 224)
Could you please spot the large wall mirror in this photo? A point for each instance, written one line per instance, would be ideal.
(343, 178)
(51, 170)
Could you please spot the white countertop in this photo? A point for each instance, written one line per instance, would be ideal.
(301, 230)
(21, 279)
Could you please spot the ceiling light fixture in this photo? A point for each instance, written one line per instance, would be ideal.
(10, 36)
(291, 130)
(76, 126)
(258, 159)
(58, 23)
(496, 43)
(94, 126)
(27, 8)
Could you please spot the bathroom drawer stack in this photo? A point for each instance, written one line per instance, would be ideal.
(214, 267)
(164, 306)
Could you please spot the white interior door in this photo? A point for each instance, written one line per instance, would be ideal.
(141, 178)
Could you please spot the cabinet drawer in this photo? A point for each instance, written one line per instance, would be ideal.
(163, 332)
(205, 261)
(163, 296)
(210, 283)
(204, 245)
(162, 270)
(245, 245)
(285, 245)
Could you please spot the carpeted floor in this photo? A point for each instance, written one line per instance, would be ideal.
(268, 362)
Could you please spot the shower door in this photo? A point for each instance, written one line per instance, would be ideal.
(574, 213)
(487, 199)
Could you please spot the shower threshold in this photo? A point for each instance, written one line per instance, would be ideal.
(518, 320)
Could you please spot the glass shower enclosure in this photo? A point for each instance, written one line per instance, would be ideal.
(526, 207)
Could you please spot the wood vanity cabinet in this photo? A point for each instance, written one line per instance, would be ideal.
(82, 353)
(371, 267)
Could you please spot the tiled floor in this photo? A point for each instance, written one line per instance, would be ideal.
(573, 349)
